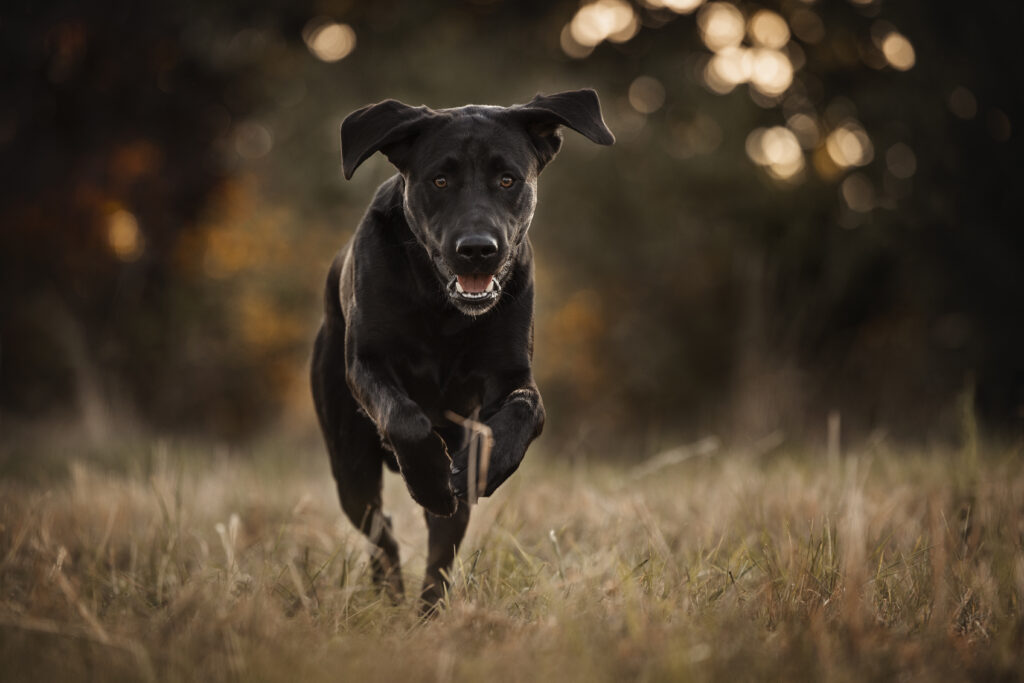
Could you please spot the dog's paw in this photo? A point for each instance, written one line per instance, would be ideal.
(487, 482)
(426, 468)
(442, 504)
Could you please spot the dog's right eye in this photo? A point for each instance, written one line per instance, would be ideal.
(441, 182)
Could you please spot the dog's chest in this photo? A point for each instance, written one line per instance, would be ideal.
(444, 372)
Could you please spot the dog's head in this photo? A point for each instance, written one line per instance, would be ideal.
(471, 178)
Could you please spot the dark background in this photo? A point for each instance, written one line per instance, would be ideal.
(171, 197)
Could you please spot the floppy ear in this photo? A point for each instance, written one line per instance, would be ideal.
(576, 109)
(387, 126)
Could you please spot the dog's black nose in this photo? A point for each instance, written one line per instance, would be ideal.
(476, 247)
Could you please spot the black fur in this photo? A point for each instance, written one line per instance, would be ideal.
(402, 343)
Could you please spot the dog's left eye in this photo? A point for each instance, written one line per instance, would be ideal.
(507, 181)
(441, 182)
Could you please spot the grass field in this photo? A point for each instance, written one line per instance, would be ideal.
(176, 562)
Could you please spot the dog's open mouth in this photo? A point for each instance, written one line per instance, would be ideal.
(474, 288)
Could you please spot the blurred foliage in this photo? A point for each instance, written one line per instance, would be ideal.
(836, 227)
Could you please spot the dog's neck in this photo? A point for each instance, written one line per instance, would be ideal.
(395, 230)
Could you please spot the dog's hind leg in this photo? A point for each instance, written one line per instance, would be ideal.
(360, 494)
(357, 459)
(444, 536)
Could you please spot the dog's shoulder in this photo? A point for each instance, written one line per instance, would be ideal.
(383, 229)
(369, 242)
(387, 203)
(333, 290)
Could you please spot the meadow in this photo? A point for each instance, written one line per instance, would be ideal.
(155, 560)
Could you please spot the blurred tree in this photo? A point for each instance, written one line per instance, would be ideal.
(810, 205)
(841, 274)
(113, 120)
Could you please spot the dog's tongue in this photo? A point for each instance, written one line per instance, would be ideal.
(474, 284)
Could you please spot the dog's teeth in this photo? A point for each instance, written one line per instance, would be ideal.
(458, 287)
(490, 285)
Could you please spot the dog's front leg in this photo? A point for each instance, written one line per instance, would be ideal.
(421, 452)
(518, 421)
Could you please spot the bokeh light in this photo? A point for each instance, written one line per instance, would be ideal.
(807, 26)
(328, 40)
(805, 127)
(766, 66)
(849, 145)
(646, 94)
(768, 29)
(721, 25)
(901, 161)
(613, 20)
(777, 150)
(253, 140)
(677, 6)
(858, 193)
(570, 46)
(963, 103)
(898, 51)
(728, 68)
(771, 72)
(123, 235)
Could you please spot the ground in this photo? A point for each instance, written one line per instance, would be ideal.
(171, 561)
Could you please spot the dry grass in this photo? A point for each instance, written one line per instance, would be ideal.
(180, 563)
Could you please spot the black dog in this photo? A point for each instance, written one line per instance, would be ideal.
(429, 311)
